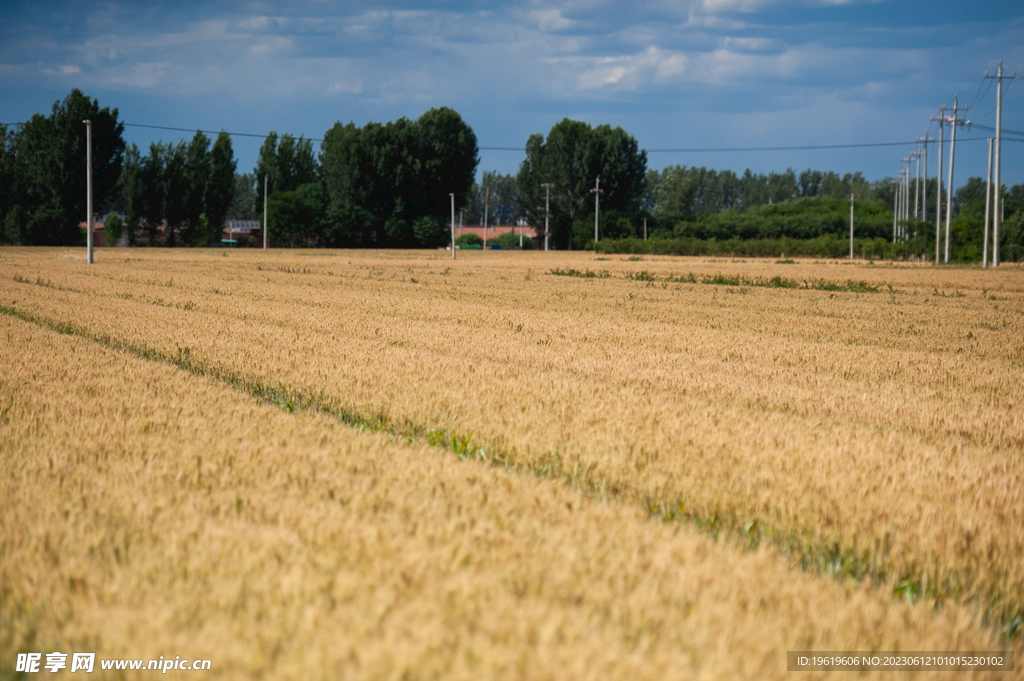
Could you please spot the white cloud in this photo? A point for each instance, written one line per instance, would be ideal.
(63, 70)
(268, 46)
(551, 20)
(255, 23)
(718, 6)
(344, 87)
(625, 72)
(143, 75)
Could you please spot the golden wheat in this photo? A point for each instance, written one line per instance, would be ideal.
(152, 512)
(877, 434)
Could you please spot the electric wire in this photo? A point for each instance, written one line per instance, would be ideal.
(206, 132)
(685, 150)
(681, 150)
(989, 127)
(976, 98)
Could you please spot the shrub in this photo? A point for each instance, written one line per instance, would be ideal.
(469, 239)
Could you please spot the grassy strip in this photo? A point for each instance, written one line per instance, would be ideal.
(844, 564)
(729, 280)
(588, 274)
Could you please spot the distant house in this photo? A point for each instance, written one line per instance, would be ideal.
(494, 231)
(246, 226)
(99, 234)
(241, 230)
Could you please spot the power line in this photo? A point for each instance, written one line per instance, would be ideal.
(989, 127)
(793, 148)
(822, 146)
(976, 97)
(205, 132)
(684, 150)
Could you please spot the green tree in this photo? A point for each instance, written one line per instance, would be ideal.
(511, 240)
(431, 231)
(448, 154)
(154, 190)
(972, 191)
(176, 191)
(571, 158)
(131, 189)
(266, 163)
(1011, 237)
(220, 188)
(468, 239)
(16, 226)
(294, 217)
(497, 195)
(113, 228)
(9, 188)
(674, 195)
(246, 203)
(49, 167)
(197, 177)
(288, 162)
(369, 175)
(382, 178)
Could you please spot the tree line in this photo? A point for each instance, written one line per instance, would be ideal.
(42, 170)
(391, 185)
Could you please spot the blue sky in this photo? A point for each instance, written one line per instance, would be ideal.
(688, 74)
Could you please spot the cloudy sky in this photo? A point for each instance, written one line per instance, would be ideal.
(677, 75)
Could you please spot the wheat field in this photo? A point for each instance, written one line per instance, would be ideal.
(631, 438)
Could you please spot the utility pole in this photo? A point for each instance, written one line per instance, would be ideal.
(949, 194)
(895, 208)
(88, 189)
(938, 194)
(266, 182)
(486, 197)
(905, 213)
(547, 211)
(597, 206)
(902, 232)
(988, 195)
(924, 190)
(645, 229)
(851, 226)
(906, 196)
(522, 226)
(916, 183)
(452, 194)
(899, 223)
(998, 198)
